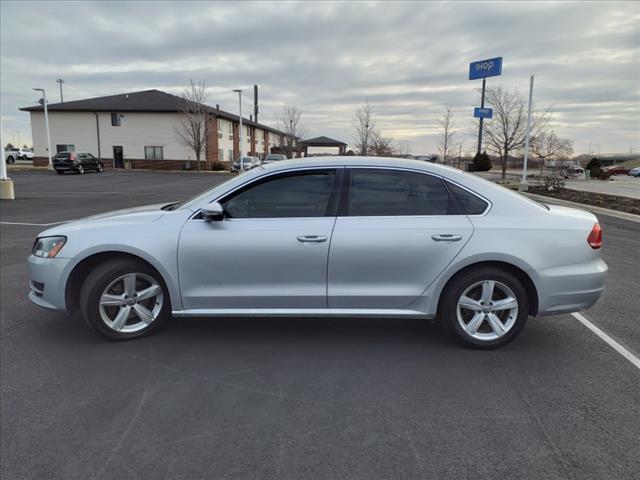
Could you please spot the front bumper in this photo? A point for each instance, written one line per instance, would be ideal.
(570, 288)
(47, 281)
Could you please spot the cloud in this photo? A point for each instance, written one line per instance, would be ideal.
(408, 58)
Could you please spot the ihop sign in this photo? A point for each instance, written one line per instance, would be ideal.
(485, 68)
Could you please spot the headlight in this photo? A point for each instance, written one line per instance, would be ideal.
(48, 246)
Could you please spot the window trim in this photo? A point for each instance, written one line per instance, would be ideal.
(346, 192)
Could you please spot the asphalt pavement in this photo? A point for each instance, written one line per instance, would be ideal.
(303, 398)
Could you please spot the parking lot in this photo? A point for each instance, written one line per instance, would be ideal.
(304, 398)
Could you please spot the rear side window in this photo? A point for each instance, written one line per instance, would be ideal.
(292, 195)
(469, 203)
(381, 192)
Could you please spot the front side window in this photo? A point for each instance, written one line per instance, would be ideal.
(382, 192)
(304, 194)
(115, 119)
(153, 153)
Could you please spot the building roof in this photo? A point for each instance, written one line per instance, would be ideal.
(144, 101)
(321, 142)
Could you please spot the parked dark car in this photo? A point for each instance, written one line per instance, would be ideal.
(609, 171)
(78, 162)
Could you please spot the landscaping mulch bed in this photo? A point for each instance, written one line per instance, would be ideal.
(613, 202)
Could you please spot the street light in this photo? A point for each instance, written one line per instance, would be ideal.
(239, 92)
(46, 123)
(60, 81)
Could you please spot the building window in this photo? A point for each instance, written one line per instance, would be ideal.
(230, 152)
(115, 119)
(229, 127)
(219, 135)
(220, 155)
(65, 148)
(153, 153)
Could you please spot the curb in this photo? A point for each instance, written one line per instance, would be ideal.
(603, 211)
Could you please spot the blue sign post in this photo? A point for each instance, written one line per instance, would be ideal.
(483, 69)
(483, 112)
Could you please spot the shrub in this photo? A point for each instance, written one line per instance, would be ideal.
(481, 163)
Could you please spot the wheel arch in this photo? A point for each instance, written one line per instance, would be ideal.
(515, 270)
(81, 269)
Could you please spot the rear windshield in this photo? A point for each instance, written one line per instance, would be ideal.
(62, 155)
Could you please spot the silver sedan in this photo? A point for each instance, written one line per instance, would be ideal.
(338, 236)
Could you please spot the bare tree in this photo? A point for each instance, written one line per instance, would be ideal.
(402, 148)
(290, 123)
(379, 146)
(363, 127)
(447, 145)
(548, 146)
(192, 129)
(506, 132)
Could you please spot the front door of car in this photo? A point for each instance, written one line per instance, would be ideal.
(270, 250)
(396, 232)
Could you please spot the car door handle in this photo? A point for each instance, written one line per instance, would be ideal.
(312, 238)
(446, 237)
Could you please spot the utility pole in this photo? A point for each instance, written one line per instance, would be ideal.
(60, 81)
(484, 83)
(523, 185)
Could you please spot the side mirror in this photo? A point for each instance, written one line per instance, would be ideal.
(213, 212)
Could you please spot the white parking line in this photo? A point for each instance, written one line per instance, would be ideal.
(607, 339)
(33, 224)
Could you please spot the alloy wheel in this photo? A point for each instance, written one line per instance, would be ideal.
(131, 302)
(487, 310)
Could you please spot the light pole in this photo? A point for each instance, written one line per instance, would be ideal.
(239, 92)
(523, 184)
(46, 123)
(60, 81)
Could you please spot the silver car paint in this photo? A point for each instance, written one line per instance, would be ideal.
(548, 244)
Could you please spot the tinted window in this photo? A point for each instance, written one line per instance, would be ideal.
(292, 195)
(394, 192)
(467, 201)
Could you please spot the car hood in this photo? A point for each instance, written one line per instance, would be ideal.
(146, 213)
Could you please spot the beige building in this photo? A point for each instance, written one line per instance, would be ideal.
(139, 130)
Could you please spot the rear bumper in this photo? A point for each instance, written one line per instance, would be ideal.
(571, 288)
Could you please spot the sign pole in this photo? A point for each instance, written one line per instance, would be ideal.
(523, 185)
(484, 82)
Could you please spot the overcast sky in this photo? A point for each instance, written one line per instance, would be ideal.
(409, 59)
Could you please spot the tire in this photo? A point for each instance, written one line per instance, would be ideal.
(489, 326)
(60, 172)
(80, 169)
(10, 160)
(121, 320)
(99, 168)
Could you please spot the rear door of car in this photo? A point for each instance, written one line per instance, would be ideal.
(396, 231)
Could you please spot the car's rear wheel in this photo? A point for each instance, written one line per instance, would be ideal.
(10, 160)
(80, 169)
(484, 307)
(99, 168)
(123, 299)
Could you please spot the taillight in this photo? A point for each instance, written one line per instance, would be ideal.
(73, 157)
(595, 237)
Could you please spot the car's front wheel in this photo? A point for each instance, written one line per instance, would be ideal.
(123, 299)
(484, 307)
(99, 168)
